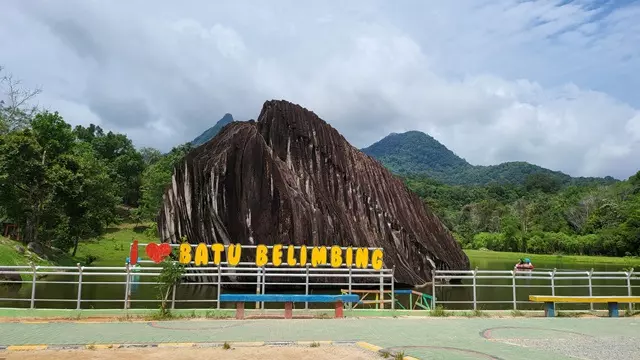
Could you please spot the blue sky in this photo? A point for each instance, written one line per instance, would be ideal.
(550, 82)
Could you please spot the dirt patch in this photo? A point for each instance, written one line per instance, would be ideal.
(327, 352)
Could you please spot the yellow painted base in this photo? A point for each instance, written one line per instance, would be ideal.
(26, 347)
(585, 299)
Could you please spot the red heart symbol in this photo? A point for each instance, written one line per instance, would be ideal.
(157, 253)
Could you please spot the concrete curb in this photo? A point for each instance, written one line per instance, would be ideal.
(39, 347)
(377, 349)
(169, 345)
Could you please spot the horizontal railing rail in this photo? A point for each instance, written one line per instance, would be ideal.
(129, 277)
(473, 285)
(548, 280)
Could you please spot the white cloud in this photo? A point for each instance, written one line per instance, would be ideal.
(549, 81)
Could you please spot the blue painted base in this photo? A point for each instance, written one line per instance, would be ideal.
(613, 309)
(549, 309)
(288, 298)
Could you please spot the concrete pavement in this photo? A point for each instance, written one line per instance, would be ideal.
(420, 337)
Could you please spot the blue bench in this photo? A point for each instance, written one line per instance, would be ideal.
(288, 301)
(611, 301)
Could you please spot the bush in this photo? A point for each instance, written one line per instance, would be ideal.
(491, 241)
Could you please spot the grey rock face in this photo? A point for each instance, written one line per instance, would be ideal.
(290, 178)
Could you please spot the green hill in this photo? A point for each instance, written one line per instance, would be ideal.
(416, 153)
(212, 131)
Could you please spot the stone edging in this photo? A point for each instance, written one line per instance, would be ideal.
(360, 344)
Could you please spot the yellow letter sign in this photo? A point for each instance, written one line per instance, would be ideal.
(318, 255)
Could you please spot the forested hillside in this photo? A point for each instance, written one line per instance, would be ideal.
(540, 216)
(416, 153)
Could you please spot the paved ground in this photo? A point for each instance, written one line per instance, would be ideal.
(432, 338)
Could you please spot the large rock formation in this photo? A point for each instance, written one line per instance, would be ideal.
(291, 178)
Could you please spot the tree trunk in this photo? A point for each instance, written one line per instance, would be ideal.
(75, 245)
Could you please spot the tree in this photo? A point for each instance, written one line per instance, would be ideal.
(150, 155)
(578, 215)
(156, 178)
(15, 112)
(24, 186)
(30, 160)
(52, 186)
(170, 276)
(546, 183)
(89, 197)
(124, 162)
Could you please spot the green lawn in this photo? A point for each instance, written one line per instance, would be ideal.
(112, 248)
(512, 256)
(10, 256)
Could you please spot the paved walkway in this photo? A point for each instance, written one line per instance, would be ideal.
(432, 338)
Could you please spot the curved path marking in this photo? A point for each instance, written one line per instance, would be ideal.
(448, 348)
(156, 325)
(486, 333)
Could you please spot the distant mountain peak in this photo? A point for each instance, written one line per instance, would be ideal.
(415, 152)
(211, 132)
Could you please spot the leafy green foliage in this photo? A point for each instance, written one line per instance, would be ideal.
(62, 185)
(124, 162)
(156, 178)
(170, 275)
(539, 216)
(52, 186)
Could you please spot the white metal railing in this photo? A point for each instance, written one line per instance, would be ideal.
(479, 283)
(219, 276)
(551, 281)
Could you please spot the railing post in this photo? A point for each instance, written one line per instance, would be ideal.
(381, 289)
(350, 304)
(513, 286)
(33, 285)
(590, 287)
(173, 297)
(219, 284)
(393, 289)
(629, 288)
(126, 287)
(433, 289)
(264, 284)
(553, 282)
(78, 303)
(306, 287)
(475, 302)
(258, 279)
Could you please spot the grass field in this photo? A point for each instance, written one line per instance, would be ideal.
(513, 256)
(111, 249)
(9, 255)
